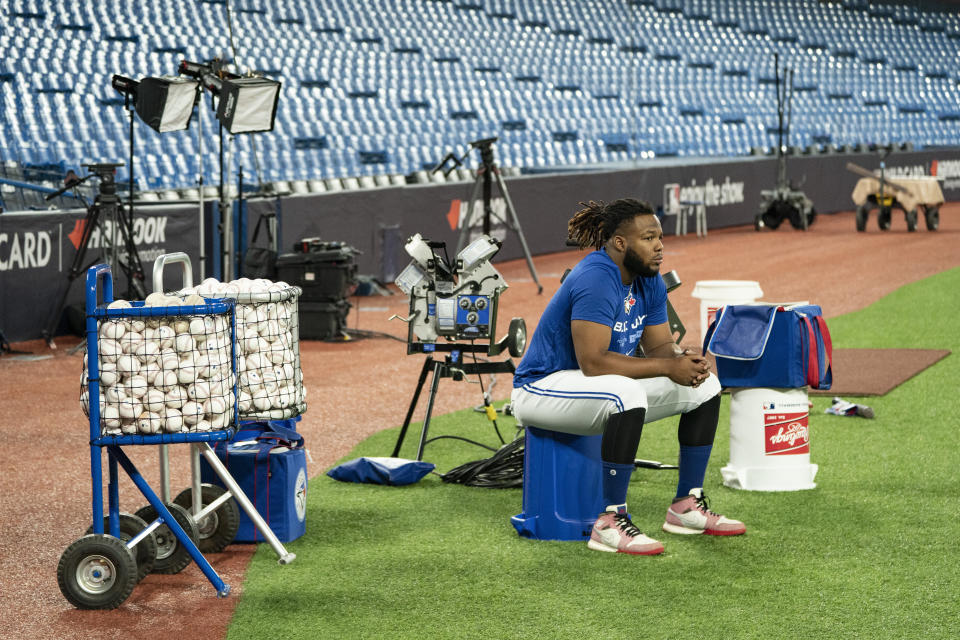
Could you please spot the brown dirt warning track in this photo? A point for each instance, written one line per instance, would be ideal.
(355, 389)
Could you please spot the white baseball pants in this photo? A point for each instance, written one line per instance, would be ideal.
(571, 402)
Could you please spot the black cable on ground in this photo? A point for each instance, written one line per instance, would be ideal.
(503, 470)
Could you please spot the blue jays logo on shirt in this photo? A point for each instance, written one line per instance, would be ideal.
(628, 303)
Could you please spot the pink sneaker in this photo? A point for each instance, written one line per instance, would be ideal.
(614, 532)
(692, 515)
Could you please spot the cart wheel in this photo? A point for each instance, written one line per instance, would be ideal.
(218, 529)
(772, 217)
(145, 553)
(883, 218)
(932, 216)
(912, 220)
(517, 337)
(97, 572)
(758, 223)
(862, 214)
(172, 557)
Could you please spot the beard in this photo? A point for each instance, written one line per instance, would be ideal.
(634, 264)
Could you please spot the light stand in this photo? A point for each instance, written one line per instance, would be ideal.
(106, 204)
(486, 174)
(244, 105)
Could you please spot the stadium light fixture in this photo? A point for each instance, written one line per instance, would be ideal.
(164, 103)
(246, 104)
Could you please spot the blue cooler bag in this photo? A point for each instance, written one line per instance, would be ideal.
(771, 346)
(269, 463)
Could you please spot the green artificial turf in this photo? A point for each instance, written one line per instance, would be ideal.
(872, 552)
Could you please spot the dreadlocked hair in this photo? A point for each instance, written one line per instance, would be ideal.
(597, 222)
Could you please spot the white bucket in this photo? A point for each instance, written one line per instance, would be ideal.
(769, 441)
(714, 294)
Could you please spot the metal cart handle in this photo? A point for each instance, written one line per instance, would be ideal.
(170, 258)
(94, 275)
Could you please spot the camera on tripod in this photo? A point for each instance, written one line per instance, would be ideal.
(455, 301)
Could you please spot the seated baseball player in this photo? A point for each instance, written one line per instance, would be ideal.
(579, 375)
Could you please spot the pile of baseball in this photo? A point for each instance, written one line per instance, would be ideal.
(163, 374)
(268, 354)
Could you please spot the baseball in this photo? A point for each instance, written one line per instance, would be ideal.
(150, 371)
(147, 351)
(261, 400)
(109, 349)
(173, 421)
(220, 421)
(154, 400)
(155, 299)
(166, 335)
(119, 304)
(184, 342)
(135, 386)
(108, 374)
(197, 327)
(128, 427)
(192, 412)
(130, 341)
(114, 395)
(149, 423)
(130, 408)
(166, 380)
(199, 391)
(194, 299)
(111, 417)
(175, 397)
(112, 329)
(128, 364)
(187, 371)
(214, 406)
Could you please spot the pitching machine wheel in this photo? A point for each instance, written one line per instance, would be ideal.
(517, 337)
(862, 214)
(932, 217)
(218, 529)
(883, 218)
(912, 220)
(145, 553)
(172, 557)
(97, 571)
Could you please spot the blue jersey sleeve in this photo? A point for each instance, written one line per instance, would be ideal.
(591, 299)
(656, 302)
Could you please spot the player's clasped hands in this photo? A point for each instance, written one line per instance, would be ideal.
(690, 368)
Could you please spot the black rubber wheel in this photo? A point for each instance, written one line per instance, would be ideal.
(145, 553)
(517, 337)
(862, 214)
(932, 217)
(97, 572)
(218, 529)
(758, 223)
(883, 218)
(172, 557)
(796, 216)
(771, 218)
(911, 220)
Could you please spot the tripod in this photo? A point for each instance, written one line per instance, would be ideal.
(453, 367)
(106, 204)
(486, 174)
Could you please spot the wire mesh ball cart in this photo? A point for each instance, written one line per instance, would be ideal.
(140, 391)
(269, 387)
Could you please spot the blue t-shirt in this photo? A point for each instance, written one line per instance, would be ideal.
(592, 291)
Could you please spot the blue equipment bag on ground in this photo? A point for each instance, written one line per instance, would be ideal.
(391, 471)
(269, 463)
(771, 346)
